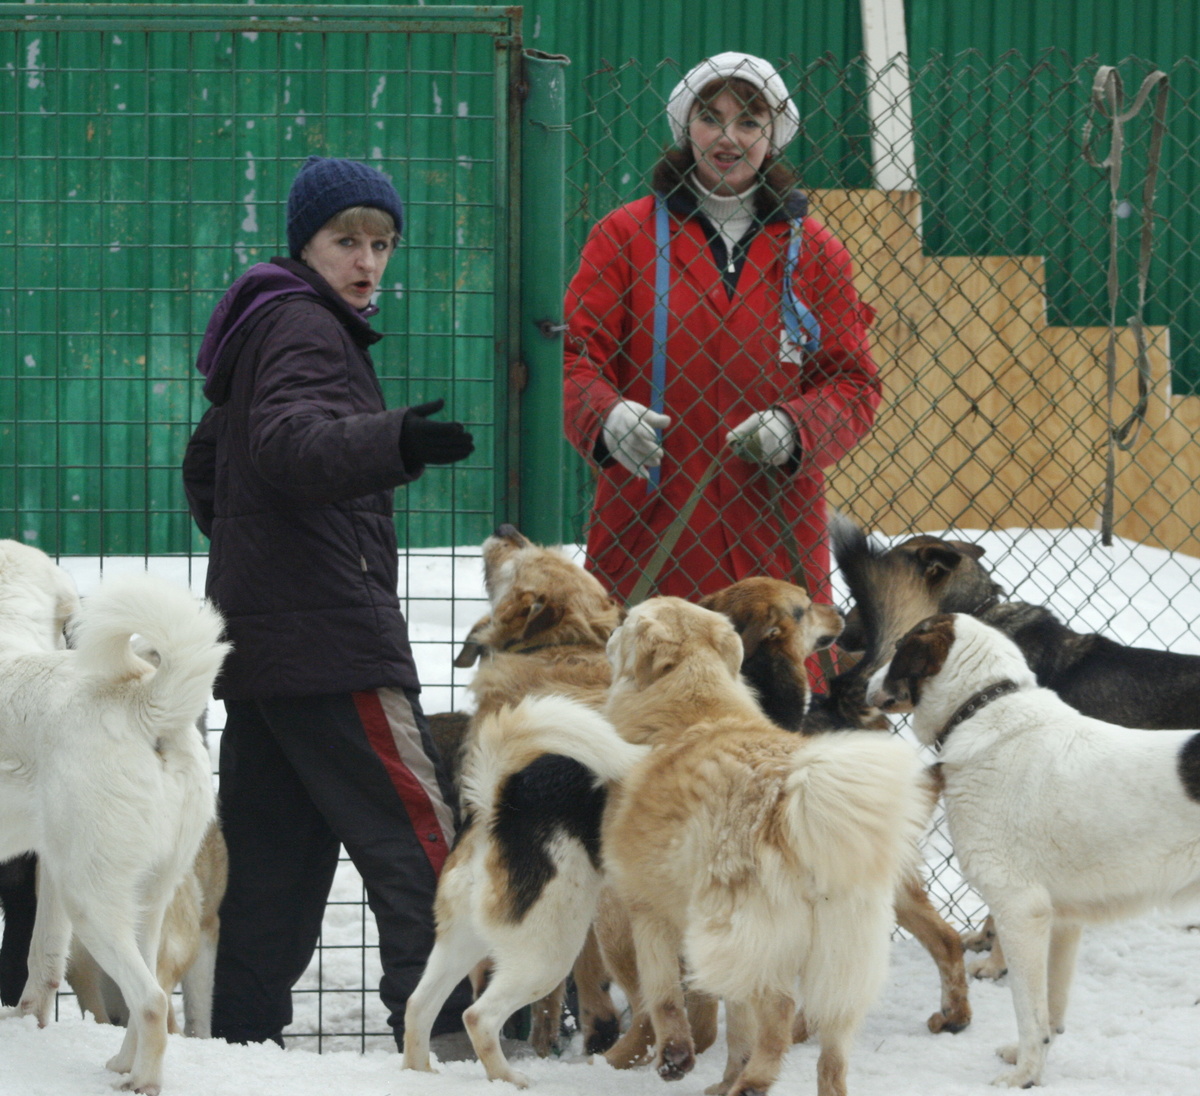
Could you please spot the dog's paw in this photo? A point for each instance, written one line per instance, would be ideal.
(1008, 1053)
(676, 1060)
(981, 940)
(951, 1022)
(719, 1089)
(603, 1035)
(120, 1063)
(1017, 1078)
(38, 1005)
(987, 968)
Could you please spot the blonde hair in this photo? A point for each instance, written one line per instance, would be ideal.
(368, 219)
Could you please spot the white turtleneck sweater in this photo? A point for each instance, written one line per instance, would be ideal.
(731, 214)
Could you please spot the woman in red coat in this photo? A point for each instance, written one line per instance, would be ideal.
(755, 370)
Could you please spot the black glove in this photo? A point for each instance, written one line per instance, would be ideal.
(423, 441)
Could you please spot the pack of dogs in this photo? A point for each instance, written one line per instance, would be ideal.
(723, 834)
(652, 798)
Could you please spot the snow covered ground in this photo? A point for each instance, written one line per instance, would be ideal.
(1132, 1025)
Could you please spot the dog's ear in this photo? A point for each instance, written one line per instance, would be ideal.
(967, 549)
(655, 653)
(474, 645)
(759, 631)
(542, 616)
(607, 621)
(938, 560)
(919, 656)
(66, 604)
(731, 647)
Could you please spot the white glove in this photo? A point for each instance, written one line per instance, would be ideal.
(629, 435)
(766, 437)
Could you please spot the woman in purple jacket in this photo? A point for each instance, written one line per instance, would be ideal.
(291, 474)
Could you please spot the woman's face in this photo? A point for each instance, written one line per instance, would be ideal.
(351, 262)
(730, 143)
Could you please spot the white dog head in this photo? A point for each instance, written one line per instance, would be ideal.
(37, 597)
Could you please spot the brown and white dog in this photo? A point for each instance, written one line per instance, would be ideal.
(780, 627)
(1057, 818)
(895, 589)
(766, 859)
(521, 884)
(532, 812)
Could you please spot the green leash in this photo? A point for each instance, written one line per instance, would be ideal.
(669, 539)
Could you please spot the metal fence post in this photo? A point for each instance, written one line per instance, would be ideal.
(543, 171)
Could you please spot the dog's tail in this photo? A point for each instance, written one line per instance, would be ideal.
(857, 804)
(515, 736)
(179, 637)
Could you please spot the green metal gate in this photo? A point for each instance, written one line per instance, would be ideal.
(145, 157)
(148, 151)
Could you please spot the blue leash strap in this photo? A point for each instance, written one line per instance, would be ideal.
(801, 325)
(662, 294)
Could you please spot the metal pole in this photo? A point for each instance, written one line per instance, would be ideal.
(543, 167)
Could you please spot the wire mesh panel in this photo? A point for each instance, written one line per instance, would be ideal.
(986, 288)
(147, 156)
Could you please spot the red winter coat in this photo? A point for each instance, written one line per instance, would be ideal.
(724, 362)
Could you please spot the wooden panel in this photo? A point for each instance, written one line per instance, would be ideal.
(990, 418)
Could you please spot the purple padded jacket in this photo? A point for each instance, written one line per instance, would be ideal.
(291, 473)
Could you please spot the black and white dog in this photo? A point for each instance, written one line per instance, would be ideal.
(1058, 819)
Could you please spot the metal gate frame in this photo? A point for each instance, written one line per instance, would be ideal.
(527, 113)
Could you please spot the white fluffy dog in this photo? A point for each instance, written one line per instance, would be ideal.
(1057, 818)
(103, 775)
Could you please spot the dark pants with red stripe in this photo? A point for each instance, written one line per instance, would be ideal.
(299, 778)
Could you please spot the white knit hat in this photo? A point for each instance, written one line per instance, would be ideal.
(754, 70)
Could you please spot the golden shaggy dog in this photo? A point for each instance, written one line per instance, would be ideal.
(768, 860)
(780, 628)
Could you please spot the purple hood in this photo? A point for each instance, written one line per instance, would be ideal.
(259, 286)
(263, 282)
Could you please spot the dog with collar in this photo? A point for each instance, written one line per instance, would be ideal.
(1058, 819)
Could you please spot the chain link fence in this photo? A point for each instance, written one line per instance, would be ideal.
(1035, 316)
(987, 281)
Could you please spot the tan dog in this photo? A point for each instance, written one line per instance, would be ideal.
(779, 627)
(187, 952)
(767, 859)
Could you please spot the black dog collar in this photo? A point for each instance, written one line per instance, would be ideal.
(979, 700)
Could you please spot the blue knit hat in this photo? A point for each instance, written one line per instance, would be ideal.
(323, 188)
